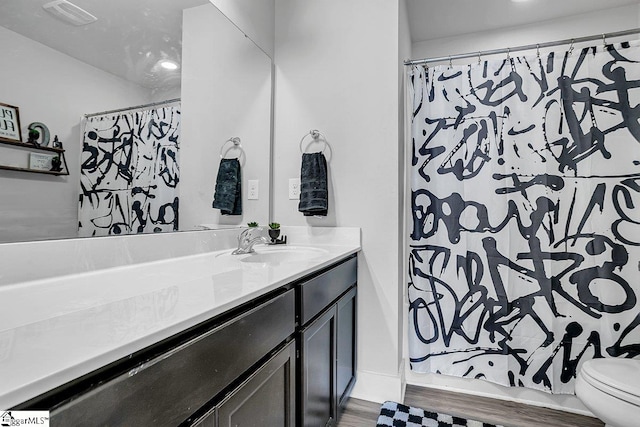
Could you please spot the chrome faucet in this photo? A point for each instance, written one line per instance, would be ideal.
(247, 239)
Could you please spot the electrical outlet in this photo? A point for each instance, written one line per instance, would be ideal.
(294, 188)
(253, 192)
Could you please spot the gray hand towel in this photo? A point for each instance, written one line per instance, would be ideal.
(314, 198)
(228, 194)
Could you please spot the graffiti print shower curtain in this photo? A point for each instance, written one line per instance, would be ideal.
(130, 173)
(525, 202)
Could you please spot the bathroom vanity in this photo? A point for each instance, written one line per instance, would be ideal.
(276, 349)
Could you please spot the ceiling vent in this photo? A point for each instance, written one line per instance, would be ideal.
(69, 12)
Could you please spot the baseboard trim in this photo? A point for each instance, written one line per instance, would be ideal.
(481, 388)
(376, 387)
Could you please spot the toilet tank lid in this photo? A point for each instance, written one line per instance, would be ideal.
(617, 373)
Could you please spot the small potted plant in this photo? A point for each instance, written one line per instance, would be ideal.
(252, 224)
(274, 231)
(33, 137)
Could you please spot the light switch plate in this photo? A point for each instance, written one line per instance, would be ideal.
(294, 188)
(254, 189)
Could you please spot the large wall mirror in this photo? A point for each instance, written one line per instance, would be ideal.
(177, 72)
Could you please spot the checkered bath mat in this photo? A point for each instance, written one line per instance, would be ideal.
(394, 414)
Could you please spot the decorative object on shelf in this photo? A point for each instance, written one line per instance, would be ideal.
(33, 137)
(10, 123)
(56, 142)
(252, 224)
(35, 130)
(56, 164)
(42, 162)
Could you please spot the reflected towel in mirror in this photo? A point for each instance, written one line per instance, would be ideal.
(228, 193)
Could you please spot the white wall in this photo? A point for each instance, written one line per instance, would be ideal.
(255, 18)
(611, 20)
(54, 89)
(603, 21)
(337, 71)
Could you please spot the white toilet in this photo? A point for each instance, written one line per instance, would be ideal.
(610, 388)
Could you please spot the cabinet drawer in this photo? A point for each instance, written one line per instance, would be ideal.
(166, 390)
(319, 292)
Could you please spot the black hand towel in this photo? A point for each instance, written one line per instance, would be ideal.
(228, 194)
(314, 197)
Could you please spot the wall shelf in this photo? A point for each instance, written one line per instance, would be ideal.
(32, 147)
(13, 168)
(60, 151)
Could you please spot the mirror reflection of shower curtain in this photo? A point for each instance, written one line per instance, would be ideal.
(525, 241)
(130, 172)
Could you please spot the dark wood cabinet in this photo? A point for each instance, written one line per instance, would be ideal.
(285, 359)
(345, 347)
(266, 398)
(327, 347)
(170, 388)
(317, 356)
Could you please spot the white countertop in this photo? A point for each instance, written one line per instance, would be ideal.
(58, 329)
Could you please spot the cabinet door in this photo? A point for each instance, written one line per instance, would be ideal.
(345, 346)
(267, 398)
(317, 353)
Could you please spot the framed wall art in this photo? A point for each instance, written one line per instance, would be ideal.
(10, 123)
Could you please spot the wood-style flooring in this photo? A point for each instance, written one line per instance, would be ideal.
(360, 413)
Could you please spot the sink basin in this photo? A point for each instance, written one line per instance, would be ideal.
(275, 255)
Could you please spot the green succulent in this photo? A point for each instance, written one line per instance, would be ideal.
(274, 226)
(252, 224)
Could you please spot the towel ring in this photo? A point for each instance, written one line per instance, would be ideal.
(235, 144)
(317, 137)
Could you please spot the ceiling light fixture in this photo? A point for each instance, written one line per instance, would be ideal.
(168, 64)
(69, 12)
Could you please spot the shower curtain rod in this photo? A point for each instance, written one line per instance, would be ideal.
(602, 37)
(152, 104)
